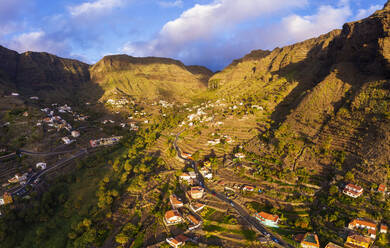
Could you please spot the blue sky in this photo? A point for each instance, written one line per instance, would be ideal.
(204, 32)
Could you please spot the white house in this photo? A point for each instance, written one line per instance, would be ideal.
(41, 165)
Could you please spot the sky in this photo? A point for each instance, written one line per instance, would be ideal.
(198, 32)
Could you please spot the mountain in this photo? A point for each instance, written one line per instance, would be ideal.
(305, 88)
(32, 72)
(150, 78)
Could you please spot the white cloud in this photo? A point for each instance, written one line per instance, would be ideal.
(297, 28)
(363, 13)
(204, 21)
(167, 4)
(95, 7)
(38, 42)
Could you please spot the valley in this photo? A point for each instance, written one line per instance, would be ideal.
(282, 148)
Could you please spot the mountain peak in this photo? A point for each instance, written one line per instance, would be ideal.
(387, 5)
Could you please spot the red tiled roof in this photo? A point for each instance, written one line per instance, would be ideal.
(194, 220)
(268, 216)
(382, 188)
(172, 213)
(363, 223)
(383, 227)
(175, 200)
(354, 187)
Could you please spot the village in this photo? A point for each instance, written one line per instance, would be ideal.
(207, 131)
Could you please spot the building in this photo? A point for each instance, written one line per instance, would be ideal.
(176, 202)
(196, 206)
(6, 199)
(382, 188)
(353, 191)
(267, 219)
(173, 217)
(196, 192)
(105, 141)
(66, 140)
(357, 241)
(332, 245)
(310, 240)
(383, 228)
(41, 165)
(75, 134)
(186, 155)
(194, 221)
(177, 241)
(18, 178)
(239, 155)
(248, 188)
(206, 173)
(188, 176)
(363, 224)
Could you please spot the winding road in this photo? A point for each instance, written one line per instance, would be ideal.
(240, 210)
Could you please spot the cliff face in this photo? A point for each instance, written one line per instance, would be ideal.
(328, 89)
(149, 78)
(33, 72)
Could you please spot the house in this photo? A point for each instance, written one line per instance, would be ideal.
(194, 221)
(196, 206)
(357, 241)
(14, 94)
(239, 155)
(66, 140)
(25, 114)
(382, 188)
(206, 173)
(248, 188)
(6, 199)
(196, 192)
(332, 245)
(173, 217)
(186, 154)
(34, 98)
(18, 178)
(177, 241)
(358, 223)
(41, 165)
(188, 176)
(353, 191)
(310, 240)
(383, 228)
(267, 219)
(75, 134)
(176, 202)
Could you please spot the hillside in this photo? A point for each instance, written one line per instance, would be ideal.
(149, 78)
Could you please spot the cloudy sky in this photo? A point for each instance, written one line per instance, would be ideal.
(205, 32)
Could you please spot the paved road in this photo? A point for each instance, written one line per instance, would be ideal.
(240, 210)
(24, 152)
(21, 189)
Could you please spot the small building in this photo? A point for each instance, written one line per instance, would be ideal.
(383, 228)
(196, 206)
(34, 98)
(187, 176)
(25, 114)
(176, 202)
(310, 240)
(186, 155)
(267, 219)
(382, 188)
(173, 217)
(194, 221)
(239, 155)
(248, 188)
(41, 165)
(66, 140)
(75, 134)
(206, 173)
(353, 191)
(196, 192)
(177, 241)
(14, 94)
(332, 245)
(357, 241)
(363, 224)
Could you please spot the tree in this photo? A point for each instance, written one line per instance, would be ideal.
(349, 176)
(121, 238)
(333, 190)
